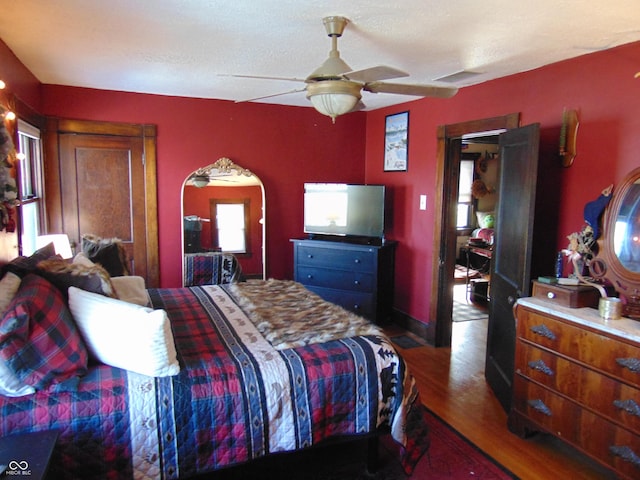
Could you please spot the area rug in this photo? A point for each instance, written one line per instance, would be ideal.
(406, 342)
(449, 457)
(463, 312)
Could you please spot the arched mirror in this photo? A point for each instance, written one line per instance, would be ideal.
(618, 259)
(223, 210)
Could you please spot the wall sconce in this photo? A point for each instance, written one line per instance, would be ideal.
(568, 136)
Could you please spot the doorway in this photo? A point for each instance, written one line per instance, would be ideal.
(445, 238)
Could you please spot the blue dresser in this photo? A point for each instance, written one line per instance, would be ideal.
(358, 277)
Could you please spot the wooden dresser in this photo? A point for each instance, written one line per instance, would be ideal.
(577, 377)
(359, 278)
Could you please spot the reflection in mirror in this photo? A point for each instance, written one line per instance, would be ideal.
(618, 258)
(626, 236)
(235, 197)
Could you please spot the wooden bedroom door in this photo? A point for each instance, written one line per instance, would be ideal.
(513, 247)
(101, 180)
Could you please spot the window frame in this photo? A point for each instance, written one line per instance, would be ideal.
(246, 202)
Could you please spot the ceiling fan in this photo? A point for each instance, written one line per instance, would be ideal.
(335, 89)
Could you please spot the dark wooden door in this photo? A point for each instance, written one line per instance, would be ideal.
(511, 262)
(104, 189)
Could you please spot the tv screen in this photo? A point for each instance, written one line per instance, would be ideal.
(344, 209)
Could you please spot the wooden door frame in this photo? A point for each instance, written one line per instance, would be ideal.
(443, 265)
(56, 126)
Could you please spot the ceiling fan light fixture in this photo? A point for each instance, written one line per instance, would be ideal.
(334, 97)
(200, 181)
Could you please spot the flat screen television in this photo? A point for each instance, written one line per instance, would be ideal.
(344, 209)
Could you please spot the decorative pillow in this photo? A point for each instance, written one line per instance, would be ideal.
(64, 275)
(125, 335)
(21, 266)
(108, 252)
(39, 341)
(8, 288)
(485, 219)
(131, 288)
(10, 386)
(82, 259)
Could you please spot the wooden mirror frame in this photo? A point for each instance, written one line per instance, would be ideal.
(224, 170)
(606, 265)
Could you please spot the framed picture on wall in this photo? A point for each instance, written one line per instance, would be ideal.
(396, 142)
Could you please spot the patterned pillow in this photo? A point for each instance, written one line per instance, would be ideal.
(63, 275)
(39, 341)
(108, 252)
(21, 266)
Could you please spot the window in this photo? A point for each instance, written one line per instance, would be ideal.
(465, 199)
(30, 186)
(231, 230)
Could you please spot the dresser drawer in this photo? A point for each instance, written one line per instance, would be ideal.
(359, 260)
(609, 355)
(360, 303)
(610, 398)
(340, 279)
(614, 446)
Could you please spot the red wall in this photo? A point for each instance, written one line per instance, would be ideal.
(601, 86)
(283, 146)
(287, 146)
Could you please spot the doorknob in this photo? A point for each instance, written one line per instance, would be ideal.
(511, 300)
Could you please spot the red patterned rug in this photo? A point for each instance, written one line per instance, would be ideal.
(450, 457)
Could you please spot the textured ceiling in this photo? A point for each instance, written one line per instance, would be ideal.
(184, 47)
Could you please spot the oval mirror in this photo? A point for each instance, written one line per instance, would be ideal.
(618, 259)
(626, 234)
(223, 210)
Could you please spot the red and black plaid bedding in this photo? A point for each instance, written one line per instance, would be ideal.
(234, 400)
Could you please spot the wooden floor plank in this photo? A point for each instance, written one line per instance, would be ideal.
(452, 385)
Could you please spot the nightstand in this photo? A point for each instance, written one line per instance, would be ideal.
(27, 454)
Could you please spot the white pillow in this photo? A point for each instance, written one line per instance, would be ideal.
(8, 288)
(131, 288)
(10, 386)
(125, 335)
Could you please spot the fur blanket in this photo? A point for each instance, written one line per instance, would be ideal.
(288, 315)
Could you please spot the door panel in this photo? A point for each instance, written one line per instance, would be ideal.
(106, 186)
(511, 262)
(103, 191)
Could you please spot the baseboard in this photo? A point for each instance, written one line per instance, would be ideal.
(407, 322)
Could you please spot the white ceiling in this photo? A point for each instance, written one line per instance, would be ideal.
(183, 47)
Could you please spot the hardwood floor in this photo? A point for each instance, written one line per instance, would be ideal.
(452, 385)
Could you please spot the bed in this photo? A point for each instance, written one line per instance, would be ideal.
(260, 372)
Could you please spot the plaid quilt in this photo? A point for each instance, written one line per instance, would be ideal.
(235, 399)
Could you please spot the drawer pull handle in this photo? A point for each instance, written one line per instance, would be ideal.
(356, 307)
(309, 276)
(357, 260)
(625, 453)
(540, 366)
(551, 295)
(309, 256)
(539, 405)
(544, 331)
(628, 406)
(632, 364)
(356, 282)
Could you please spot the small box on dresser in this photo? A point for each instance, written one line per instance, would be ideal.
(577, 377)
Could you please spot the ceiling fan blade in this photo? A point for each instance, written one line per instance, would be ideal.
(411, 89)
(375, 74)
(260, 77)
(295, 90)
